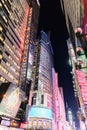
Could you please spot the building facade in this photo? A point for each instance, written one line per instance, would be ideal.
(13, 20)
(75, 14)
(46, 105)
(59, 116)
(40, 113)
(79, 72)
(76, 19)
(16, 32)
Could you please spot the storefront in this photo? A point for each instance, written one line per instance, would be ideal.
(9, 128)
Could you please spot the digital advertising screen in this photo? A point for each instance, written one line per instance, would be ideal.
(11, 101)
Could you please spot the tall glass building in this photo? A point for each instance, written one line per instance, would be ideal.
(16, 32)
(40, 113)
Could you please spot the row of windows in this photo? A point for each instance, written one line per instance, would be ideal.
(12, 61)
(14, 31)
(17, 16)
(12, 55)
(3, 20)
(2, 44)
(4, 8)
(3, 26)
(14, 37)
(20, 19)
(34, 99)
(45, 80)
(8, 73)
(11, 68)
(9, 57)
(6, 2)
(45, 72)
(2, 29)
(9, 65)
(2, 79)
(2, 37)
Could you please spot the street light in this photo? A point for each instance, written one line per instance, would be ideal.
(79, 33)
(82, 37)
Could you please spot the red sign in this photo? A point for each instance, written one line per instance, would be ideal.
(23, 125)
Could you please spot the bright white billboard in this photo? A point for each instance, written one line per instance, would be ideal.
(11, 101)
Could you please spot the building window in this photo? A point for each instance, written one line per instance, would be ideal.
(34, 99)
(7, 53)
(4, 59)
(42, 99)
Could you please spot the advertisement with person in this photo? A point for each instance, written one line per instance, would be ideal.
(11, 101)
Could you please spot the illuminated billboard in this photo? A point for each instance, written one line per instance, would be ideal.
(11, 101)
(30, 61)
(40, 112)
(39, 123)
(82, 82)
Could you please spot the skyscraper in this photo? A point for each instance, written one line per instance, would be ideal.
(46, 105)
(40, 113)
(13, 21)
(18, 31)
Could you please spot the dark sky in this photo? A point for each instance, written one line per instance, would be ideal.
(52, 19)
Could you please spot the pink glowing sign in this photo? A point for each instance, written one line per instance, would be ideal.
(82, 82)
(11, 101)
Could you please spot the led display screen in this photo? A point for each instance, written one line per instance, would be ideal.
(40, 112)
(11, 101)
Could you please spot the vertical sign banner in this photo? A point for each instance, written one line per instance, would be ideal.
(82, 84)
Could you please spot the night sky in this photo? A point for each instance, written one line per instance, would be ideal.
(51, 19)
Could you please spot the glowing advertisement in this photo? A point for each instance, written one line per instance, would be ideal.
(82, 82)
(11, 101)
(40, 123)
(31, 54)
(5, 122)
(40, 112)
(23, 125)
(30, 61)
